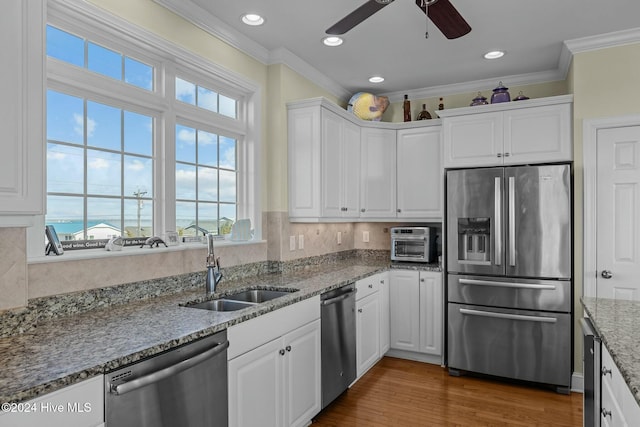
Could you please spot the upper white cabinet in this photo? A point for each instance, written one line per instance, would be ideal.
(532, 131)
(340, 166)
(22, 110)
(419, 173)
(378, 172)
(345, 169)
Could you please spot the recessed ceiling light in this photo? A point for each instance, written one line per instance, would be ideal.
(332, 41)
(252, 19)
(494, 54)
(376, 79)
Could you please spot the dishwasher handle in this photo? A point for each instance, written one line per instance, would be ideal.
(156, 376)
(338, 298)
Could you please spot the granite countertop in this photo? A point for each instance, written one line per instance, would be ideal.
(618, 324)
(67, 350)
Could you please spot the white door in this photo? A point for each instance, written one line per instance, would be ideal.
(302, 374)
(367, 332)
(332, 164)
(618, 213)
(384, 312)
(404, 305)
(378, 172)
(256, 387)
(431, 313)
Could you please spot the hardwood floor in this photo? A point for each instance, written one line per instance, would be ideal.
(399, 393)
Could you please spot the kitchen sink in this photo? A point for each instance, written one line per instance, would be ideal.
(241, 300)
(258, 295)
(222, 305)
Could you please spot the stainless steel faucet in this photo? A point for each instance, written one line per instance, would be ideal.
(214, 276)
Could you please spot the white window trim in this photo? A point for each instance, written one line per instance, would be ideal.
(137, 43)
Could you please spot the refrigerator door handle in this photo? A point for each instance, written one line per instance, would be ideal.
(498, 223)
(512, 221)
(535, 286)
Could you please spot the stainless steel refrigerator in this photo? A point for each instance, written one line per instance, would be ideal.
(509, 273)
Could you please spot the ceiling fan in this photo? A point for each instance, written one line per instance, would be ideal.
(441, 12)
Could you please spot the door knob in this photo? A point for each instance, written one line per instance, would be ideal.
(606, 274)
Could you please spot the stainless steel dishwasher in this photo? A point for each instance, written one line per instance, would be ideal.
(338, 341)
(185, 386)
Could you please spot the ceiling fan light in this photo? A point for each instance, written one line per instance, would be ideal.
(252, 19)
(376, 79)
(494, 54)
(332, 41)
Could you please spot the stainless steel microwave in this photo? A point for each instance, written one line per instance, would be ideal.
(413, 244)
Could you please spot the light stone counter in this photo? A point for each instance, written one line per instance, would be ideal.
(60, 351)
(618, 324)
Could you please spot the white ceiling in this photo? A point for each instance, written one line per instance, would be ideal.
(391, 43)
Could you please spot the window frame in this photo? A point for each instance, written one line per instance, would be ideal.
(168, 61)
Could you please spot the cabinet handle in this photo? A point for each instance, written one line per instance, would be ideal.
(288, 348)
(359, 310)
(499, 155)
(281, 352)
(606, 371)
(422, 279)
(371, 286)
(507, 154)
(399, 210)
(382, 281)
(606, 413)
(362, 210)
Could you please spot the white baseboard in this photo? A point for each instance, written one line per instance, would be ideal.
(417, 357)
(577, 382)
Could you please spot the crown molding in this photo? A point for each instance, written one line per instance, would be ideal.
(284, 56)
(603, 41)
(214, 26)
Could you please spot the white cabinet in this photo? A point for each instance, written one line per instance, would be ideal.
(22, 110)
(372, 320)
(274, 367)
(340, 167)
(415, 299)
(78, 405)
(618, 407)
(378, 172)
(420, 173)
(532, 131)
(383, 279)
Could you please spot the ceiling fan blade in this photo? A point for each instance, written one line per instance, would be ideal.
(446, 18)
(356, 17)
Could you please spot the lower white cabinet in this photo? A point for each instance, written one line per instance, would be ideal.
(277, 383)
(372, 320)
(78, 405)
(383, 279)
(618, 406)
(415, 303)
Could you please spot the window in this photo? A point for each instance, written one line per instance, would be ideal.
(113, 167)
(205, 182)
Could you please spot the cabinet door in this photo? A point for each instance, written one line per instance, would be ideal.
(404, 304)
(473, 140)
(256, 387)
(378, 172)
(383, 278)
(367, 332)
(332, 164)
(302, 374)
(351, 172)
(538, 134)
(22, 108)
(431, 313)
(420, 173)
(304, 150)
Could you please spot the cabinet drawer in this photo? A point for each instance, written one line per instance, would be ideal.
(253, 333)
(367, 286)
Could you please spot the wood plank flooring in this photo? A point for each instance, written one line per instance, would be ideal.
(402, 393)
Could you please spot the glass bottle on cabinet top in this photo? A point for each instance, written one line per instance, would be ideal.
(407, 109)
(424, 114)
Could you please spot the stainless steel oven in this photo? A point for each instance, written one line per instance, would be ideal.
(413, 244)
